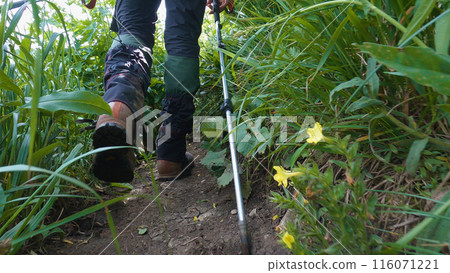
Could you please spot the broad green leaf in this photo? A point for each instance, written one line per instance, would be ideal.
(214, 158)
(79, 102)
(246, 146)
(421, 13)
(363, 102)
(241, 133)
(415, 152)
(245, 140)
(422, 65)
(442, 34)
(226, 177)
(8, 84)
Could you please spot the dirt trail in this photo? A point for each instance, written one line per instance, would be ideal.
(214, 230)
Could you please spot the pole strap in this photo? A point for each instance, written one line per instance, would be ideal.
(90, 5)
(222, 45)
(226, 106)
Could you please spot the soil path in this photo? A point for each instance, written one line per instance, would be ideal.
(198, 219)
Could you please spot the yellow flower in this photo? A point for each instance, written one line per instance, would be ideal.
(282, 175)
(315, 134)
(288, 239)
(275, 217)
(195, 219)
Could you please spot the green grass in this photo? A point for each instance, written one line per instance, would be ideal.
(304, 58)
(40, 145)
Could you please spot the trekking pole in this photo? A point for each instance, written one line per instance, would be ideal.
(228, 108)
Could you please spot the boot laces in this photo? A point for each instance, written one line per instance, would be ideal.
(92, 125)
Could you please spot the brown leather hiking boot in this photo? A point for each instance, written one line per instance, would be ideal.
(169, 170)
(114, 165)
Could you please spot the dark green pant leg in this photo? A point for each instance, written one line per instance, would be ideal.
(181, 75)
(183, 27)
(182, 82)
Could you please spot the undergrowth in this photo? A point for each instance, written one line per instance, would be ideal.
(373, 73)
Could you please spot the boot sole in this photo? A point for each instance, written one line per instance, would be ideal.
(114, 165)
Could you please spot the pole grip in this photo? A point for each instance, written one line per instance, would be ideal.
(216, 10)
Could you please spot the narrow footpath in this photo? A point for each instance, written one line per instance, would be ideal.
(197, 219)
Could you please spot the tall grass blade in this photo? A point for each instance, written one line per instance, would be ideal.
(412, 234)
(421, 12)
(442, 35)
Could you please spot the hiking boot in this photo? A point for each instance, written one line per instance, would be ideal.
(169, 170)
(114, 165)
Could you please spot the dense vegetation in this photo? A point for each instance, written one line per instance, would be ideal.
(373, 73)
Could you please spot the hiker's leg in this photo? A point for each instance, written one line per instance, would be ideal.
(126, 79)
(183, 28)
(128, 62)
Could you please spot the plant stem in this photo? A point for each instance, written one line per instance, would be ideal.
(418, 134)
